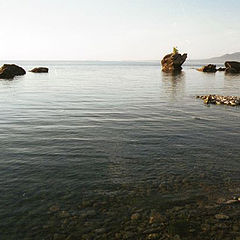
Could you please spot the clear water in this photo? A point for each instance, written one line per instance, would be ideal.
(89, 131)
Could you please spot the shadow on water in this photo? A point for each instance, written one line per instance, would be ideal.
(173, 84)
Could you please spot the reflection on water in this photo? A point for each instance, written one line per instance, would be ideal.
(231, 84)
(173, 84)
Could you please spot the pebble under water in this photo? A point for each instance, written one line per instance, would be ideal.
(118, 150)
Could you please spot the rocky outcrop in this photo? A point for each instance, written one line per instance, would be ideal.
(221, 69)
(9, 71)
(173, 62)
(232, 67)
(40, 70)
(218, 99)
(210, 68)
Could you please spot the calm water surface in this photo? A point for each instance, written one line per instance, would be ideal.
(94, 130)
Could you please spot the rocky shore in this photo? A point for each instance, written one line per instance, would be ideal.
(218, 99)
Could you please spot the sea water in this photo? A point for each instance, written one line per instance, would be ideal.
(90, 138)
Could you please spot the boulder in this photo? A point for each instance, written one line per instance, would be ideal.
(9, 71)
(173, 62)
(210, 68)
(40, 70)
(232, 67)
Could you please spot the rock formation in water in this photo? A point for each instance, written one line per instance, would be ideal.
(173, 62)
(40, 70)
(232, 67)
(210, 68)
(218, 99)
(221, 69)
(9, 71)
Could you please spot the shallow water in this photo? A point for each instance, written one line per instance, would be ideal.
(101, 131)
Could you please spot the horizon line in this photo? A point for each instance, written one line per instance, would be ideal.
(95, 60)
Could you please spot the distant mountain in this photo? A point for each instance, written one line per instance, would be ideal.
(226, 57)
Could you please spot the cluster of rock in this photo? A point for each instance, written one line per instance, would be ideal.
(218, 99)
(212, 214)
(230, 67)
(173, 62)
(210, 68)
(9, 71)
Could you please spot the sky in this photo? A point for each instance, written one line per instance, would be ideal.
(117, 29)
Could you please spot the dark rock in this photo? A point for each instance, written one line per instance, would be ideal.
(210, 68)
(9, 71)
(173, 62)
(40, 70)
(232, 67)
(221, 69)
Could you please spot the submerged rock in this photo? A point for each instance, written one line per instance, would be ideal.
(9, 71)
(40, 70)
(221, 217)
(173, 62)
(135, 216)
(232, 67)
(210, 68)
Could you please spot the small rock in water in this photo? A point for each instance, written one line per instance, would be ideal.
(176, 237)
(54, 208)
(40, 70)
(153, 236)
(100, 230)
(58, 236)
(135, 216)
(235, 228)
(221, 217)
(156, 217)
(231, 201)
(89, 213)
(64, 214)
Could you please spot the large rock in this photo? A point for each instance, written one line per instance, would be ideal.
(40, 70)
(210, 68)
(173, 62)
(232, 67)
(9, 71)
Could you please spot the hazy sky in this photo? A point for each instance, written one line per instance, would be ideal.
(117, 29)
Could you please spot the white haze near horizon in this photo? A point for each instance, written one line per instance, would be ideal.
(117, 30)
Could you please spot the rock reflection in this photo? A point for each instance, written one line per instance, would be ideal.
(173, 84)
(230, 84)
